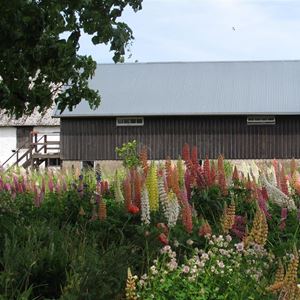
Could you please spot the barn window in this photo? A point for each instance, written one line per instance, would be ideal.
(130, 121)
(261, 120)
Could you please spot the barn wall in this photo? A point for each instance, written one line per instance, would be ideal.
(8, 142)
(97, 138)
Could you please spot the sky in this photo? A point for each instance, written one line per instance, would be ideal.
(209, 30)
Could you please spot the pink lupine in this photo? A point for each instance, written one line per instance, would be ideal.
(58, 187)
(262, 203)
(283, 182)
(284, 213)
(50, 184)
(43, 187)
(7, 187)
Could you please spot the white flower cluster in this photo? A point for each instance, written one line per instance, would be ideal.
(117, 190)
(276, 195)
(169, 203)
(173, 210)
(145, 208)
(163, 197)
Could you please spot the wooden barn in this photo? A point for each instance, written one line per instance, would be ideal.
(243, 110)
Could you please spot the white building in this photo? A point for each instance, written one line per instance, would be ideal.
(15, 134)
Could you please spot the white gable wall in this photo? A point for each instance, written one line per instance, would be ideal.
(8, 142)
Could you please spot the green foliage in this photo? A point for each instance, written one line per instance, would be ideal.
(36, 60)
(129, 154)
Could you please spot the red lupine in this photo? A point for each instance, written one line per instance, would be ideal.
(186, 152)
(144, 159)
(212, 174)
(127, 192)
(133, 209)
(137, 190)
(235, 175)
(205, 229)
(187, 182)
(222, 183)
(187, 218)
(163, 239)
(206, 169)
(194, 156)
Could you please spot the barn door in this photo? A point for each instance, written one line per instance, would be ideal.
(23, 136)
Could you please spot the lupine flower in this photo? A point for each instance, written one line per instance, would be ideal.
(152, 186)
(117, 189)
(205, 229)
(145, 209)
(284, 213)
(127, 192)
(180, 169)
(163, 239)
(133, 209)
(186, 213)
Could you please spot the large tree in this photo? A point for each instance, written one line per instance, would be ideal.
(36, 62)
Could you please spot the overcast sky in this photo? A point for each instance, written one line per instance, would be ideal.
(210, 30)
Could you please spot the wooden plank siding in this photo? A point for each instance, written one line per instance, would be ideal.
(97, 138)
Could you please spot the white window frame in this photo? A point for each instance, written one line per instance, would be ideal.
(121, 121)
(261, 120)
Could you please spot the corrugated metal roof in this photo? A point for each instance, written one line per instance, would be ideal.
(35, 119)
(195, 88)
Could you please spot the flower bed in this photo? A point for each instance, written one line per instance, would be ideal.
(212, 232)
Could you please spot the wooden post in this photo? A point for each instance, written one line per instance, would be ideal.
(35, 141)
(45, 142)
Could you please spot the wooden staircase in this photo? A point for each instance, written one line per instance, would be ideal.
(41, 150)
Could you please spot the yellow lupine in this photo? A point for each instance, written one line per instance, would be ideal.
(152, 187)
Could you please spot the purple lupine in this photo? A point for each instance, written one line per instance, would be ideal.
(239, 226)
(298, 214)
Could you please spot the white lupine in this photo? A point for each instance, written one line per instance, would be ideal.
(145, 208)
(173, 210)
(117, 190)
(163, 197)
(276, 195)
